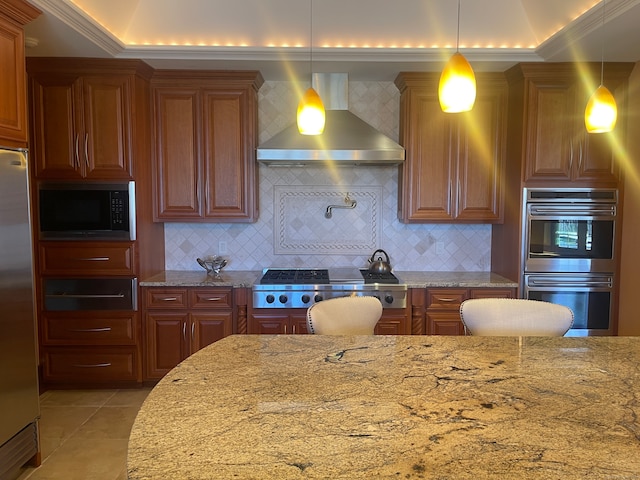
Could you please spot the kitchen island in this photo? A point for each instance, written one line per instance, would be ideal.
(410, 407)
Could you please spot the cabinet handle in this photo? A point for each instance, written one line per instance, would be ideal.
(168, 299)
(293, 329)
(445, 299)
(86, 149)
(184, 331)
(285, 329)
(103, 329)
(94, 259)
(212, 299)
(570, 153)
(193, 332)
(580, 158)
(77, 151)
(95, 365)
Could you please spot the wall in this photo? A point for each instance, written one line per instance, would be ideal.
(629, 318)
(292, 230)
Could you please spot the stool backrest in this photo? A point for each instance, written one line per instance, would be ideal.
(344, 316)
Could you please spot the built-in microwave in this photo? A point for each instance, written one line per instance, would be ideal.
(87, 211)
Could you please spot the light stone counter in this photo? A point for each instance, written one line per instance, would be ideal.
(246, 278)
(386, 407)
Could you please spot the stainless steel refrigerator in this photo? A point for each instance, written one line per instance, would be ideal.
(19, 403)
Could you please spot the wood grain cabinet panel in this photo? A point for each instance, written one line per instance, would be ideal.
(453, 170)
(557, 148)
(14, 14)
(91, 366)
(81, 122)
(205, 126)
(180, 321)
(79, 328)
(87, 258)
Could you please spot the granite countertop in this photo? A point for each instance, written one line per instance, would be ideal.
(391, 407)
(246, 278)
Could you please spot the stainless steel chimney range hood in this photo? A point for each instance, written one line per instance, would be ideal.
(347, 140)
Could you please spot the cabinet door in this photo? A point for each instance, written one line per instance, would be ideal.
(444, 323)
(392, 323)
(105, 142)
(177, 167)
(228, 158)
(481, 150)
(209, 327)
(550, 123)
(166, 341)
(55, 143)
(427, 176)
(13, 117)
(298, 322)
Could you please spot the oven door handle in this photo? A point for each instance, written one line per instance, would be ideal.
(596, 283)
(78, 295)
(575, 211)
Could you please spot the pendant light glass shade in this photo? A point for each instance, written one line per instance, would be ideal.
(311, 114)
(457, 88)
(602, 112)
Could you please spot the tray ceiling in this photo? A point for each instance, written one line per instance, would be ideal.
(369, 39)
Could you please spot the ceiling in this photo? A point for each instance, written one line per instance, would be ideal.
(368, 39)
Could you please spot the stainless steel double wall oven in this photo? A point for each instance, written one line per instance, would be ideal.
(569, 253)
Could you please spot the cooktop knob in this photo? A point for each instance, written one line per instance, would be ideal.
(270, 299)
(318, 298)
(283, 298)
(306, 298)
(388, 298)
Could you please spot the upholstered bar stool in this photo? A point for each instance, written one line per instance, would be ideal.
(344, 316)
(515, 317)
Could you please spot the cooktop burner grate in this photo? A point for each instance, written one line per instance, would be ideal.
(292, 276)
(373, 277)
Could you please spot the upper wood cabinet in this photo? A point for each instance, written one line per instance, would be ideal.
(557, 149)
(453, 166)
(205, 126)
(82, 117)
(14, 14)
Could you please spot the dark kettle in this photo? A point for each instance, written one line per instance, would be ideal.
(377, 265)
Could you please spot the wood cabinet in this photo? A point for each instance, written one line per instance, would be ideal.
(87, 258)
(454, 162)
(443, 307)
(557, 150)
(181, 321)
(278, 321)
(14, 14)
(82, 118)
(205, 126)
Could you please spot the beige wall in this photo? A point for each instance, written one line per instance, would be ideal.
(629, 315)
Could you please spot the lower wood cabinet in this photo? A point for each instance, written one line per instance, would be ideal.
(279, 321)
(90, 349)
(443, 307)
(181, 321)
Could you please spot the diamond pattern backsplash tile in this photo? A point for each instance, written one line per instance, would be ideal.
(296, 234)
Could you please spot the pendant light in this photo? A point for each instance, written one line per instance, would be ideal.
(457, 88)
(601, 112)
(311, 114)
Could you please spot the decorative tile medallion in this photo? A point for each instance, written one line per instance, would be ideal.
(327, 220)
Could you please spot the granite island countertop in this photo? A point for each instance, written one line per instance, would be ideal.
(246, 278)
(391, 407)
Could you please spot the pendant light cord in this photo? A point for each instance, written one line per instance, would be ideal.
(311, 43)
(604, 3)
(458, 31)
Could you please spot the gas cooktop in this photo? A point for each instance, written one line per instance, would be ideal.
(333, 276)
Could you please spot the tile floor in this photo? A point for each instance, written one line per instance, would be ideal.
(84, 434)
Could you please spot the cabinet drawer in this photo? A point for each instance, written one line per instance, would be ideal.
(210, 298)
(90, 365)
(104, 329)
(448, 299)
(165, 298)
(492, 293)
(105, 258)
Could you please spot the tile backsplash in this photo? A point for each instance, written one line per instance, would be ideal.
(292, 230)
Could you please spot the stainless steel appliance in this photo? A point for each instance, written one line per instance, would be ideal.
(19, 402)
(569, 253)
(91, 211)
(71, 294)
(589, 295)
(301, 288)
